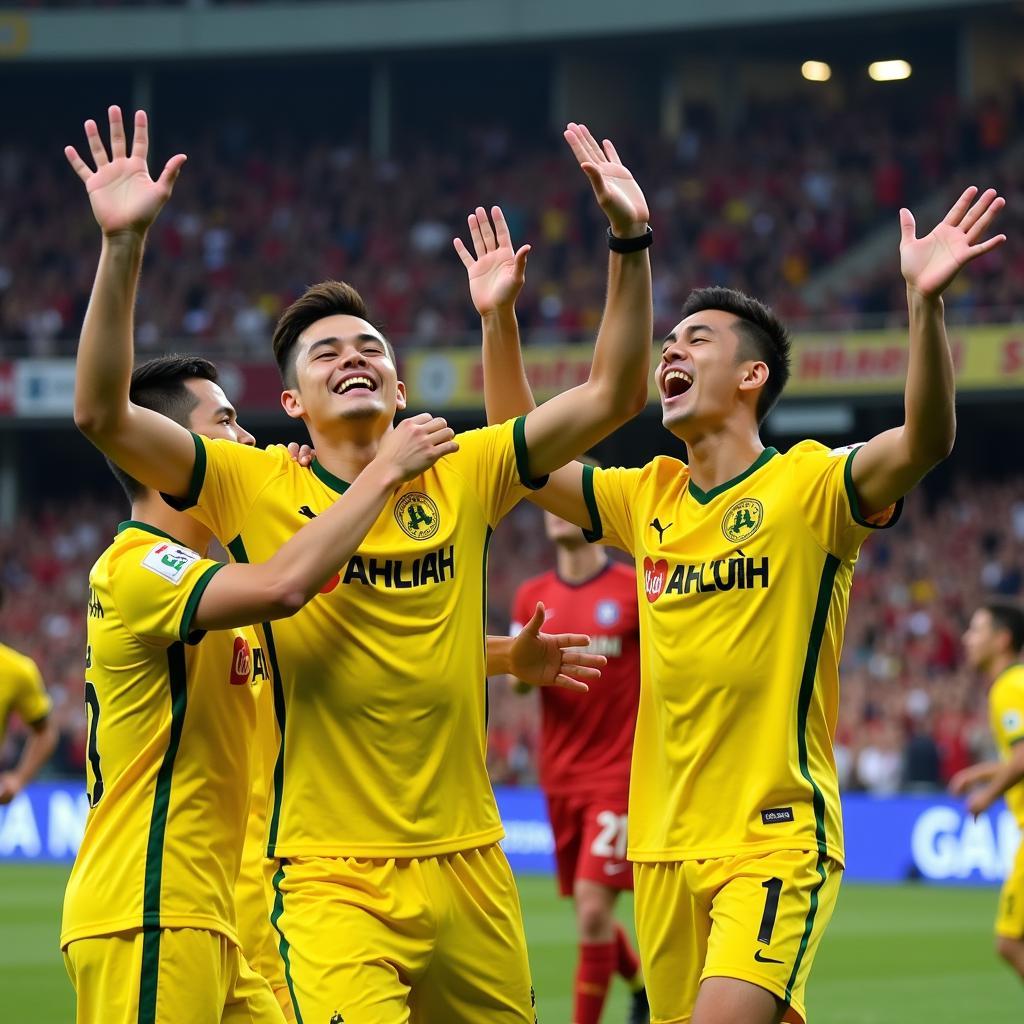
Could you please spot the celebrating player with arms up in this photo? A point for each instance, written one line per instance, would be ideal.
(585, 751)
(393, 899)
(149, 925)
(745, 559)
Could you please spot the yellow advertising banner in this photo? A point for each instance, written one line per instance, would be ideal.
(836, 365)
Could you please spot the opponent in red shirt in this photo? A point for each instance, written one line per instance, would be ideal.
(585, 752)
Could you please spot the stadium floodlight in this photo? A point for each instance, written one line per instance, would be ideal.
(816, 70)
(889, 70)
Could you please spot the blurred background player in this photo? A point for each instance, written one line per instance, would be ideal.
(994, 642)
(586, 743)
(22, 692)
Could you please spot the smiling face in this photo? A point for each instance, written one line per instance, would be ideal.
(707, 375)
(343, 370)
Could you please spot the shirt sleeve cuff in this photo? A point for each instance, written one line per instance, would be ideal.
(195, 487)
(185, 632)
(596, 531)
(523, 457)
(883, 520)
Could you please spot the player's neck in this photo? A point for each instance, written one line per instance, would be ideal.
(346, 456)
(152, 510)
(1000, 664)
(716, 456)
(579, 563)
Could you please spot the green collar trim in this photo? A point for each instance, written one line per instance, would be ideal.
(134, 524)
(704, 497)
(326, 476)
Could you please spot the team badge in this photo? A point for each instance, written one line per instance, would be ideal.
(743, 520)
(607, 613)
(1011, 721)
(417, 515)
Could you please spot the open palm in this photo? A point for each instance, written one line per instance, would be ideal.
(123, 195)
(498, 272)
(616, 189)
(930, 264)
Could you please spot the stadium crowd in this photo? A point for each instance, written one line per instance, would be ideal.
(911, 714)
(761, 208)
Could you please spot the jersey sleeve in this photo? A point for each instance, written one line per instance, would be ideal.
(226, 480)
(822, 486)
(1007, 709)
(33, 702)
(494, 461)
(610, 496)
(157, 588)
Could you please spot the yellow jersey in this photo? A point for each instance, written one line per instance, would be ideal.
(172, 718)
(381, 693)
(743, 595)
(21, 690)
(1006, 715)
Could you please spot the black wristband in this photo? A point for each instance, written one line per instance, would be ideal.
(624, 245)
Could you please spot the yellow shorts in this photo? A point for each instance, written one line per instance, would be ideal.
(758, 918)
(433, 940)
(170, 975)
(1010, 919)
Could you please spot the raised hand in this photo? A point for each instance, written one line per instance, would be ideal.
(416, 444)
(124, 197)
(497, 274)
(616, 189)
(547, 659)
(931, 263)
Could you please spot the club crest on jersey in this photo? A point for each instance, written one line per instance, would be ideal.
(743, 520)
(607, 612)
(241, 662)
(417, 515)
(1011, 721)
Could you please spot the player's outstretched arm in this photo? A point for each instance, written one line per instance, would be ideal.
(37, 750)
(616, 390)
(497, 272)
(125, 201)
(544, 659)
(240, 595)
(889, 465)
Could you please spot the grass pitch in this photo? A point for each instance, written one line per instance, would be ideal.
(891, 955)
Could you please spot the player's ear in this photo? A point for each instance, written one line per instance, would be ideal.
(754, 375)
(401, 399)
(291, 402)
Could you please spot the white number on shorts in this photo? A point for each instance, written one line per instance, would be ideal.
(611, 840)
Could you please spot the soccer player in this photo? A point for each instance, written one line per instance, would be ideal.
(994, 642)
(22, 692)
(393, 900)
(585, 750)
(745, 558)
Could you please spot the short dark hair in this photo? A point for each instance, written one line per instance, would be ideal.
(328, 298)
(1009, 617)
(764, 336)
(159, 384)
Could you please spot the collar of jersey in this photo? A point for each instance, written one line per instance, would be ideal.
(703, 497)
(134, 524)
(334, 482)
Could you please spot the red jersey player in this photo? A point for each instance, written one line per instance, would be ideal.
(585, 752)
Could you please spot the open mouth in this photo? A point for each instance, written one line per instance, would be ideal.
(355, 383)
(676, 383)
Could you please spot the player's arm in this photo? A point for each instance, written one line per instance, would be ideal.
(243, 594)
(544, 659)
(889, 465)
(567, 425)
(1006, 775)
(975, 775)
(125, 201)
(38, 747)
